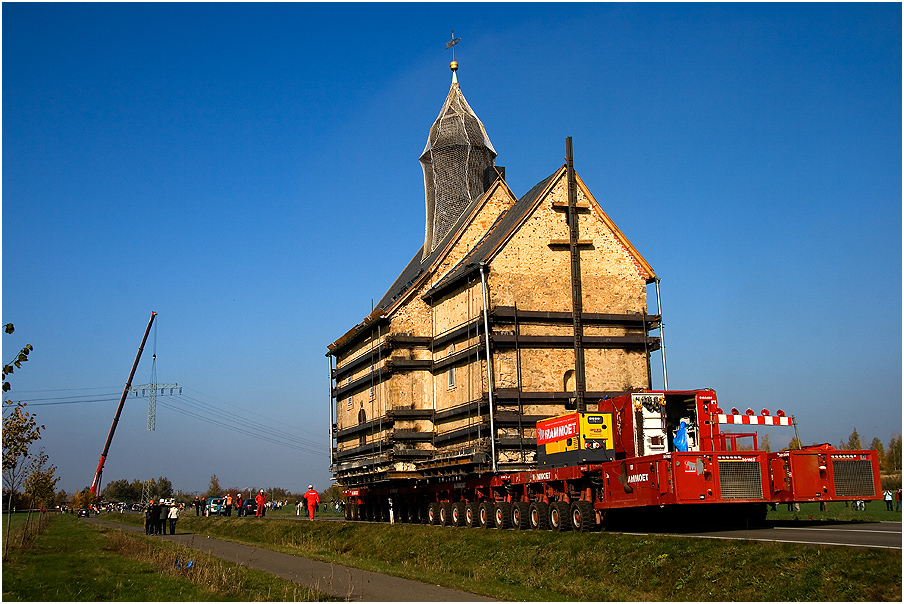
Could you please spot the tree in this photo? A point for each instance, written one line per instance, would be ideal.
(40, 485)
(214, 489)
(893, 454)
(61, 498)
(793, 445)
(876, 445)
(20, 430)
(853, 442)
(123, 490)
(162, 489)
(20, 358)
(83, 499)
(765, 445)
(333, 493)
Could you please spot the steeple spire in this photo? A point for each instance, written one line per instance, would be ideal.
(454, 64)
(457, 154)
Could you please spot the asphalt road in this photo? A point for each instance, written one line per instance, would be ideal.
(849, 534)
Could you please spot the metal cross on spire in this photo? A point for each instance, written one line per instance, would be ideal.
(454, 64)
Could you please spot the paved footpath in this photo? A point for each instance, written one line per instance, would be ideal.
(338, 581)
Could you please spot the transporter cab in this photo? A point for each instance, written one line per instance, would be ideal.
(644, 451)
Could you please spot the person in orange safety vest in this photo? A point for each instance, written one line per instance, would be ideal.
(312, 499)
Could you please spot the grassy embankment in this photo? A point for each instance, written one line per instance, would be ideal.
(874, 511)
(530, 565)
(74, 561)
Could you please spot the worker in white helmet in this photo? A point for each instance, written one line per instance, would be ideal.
(261, 501)
(312, 499)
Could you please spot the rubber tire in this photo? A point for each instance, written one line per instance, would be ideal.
(558, 517)
(520, 515)
(445, 514)
(433, 513)
(538, 516)
(348, 512)
(485, 514)
(582, 516)
(458, 514)
(502, 515)
(471, 515)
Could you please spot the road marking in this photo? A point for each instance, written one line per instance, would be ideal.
(818, 528)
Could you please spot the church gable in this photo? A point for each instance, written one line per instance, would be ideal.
(550, 206)
(528, 263)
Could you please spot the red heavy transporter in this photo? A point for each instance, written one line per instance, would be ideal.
(641, 451)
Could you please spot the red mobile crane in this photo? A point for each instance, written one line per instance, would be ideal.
(103, 456)
(644, 450)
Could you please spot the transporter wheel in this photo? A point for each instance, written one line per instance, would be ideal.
(471, 515)
(348, 512)
(433, 513)
(583, 517)
(485, 514)
(538, 516)
(414, 513)
(558, 516)
(458, 514)
(445, 514)
(519, 515)
(502, 514)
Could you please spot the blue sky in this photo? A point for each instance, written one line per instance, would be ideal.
(250, 173)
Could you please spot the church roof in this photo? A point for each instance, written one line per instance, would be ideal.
(491, 240)
(419, 265)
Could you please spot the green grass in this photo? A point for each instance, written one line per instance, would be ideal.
(875, 511)
(541, 565)
(15, 521)
(75, 561)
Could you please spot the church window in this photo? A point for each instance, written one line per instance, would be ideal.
(451, 368)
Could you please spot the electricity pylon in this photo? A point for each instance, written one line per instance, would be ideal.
(150, 390)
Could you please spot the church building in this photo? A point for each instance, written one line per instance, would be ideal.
(514, 309)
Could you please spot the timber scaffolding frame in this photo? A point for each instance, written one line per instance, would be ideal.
(461, 451)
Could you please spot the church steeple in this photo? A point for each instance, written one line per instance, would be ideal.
(457, 154)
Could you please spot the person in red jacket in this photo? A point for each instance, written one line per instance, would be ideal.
(312, 499)
(261, 501)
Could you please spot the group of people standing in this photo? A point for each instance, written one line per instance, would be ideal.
(260, 502)
(155, 516)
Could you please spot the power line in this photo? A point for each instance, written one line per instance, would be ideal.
(234, 428)
(197, 409)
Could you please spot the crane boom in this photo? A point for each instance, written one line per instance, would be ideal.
(103, 456)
